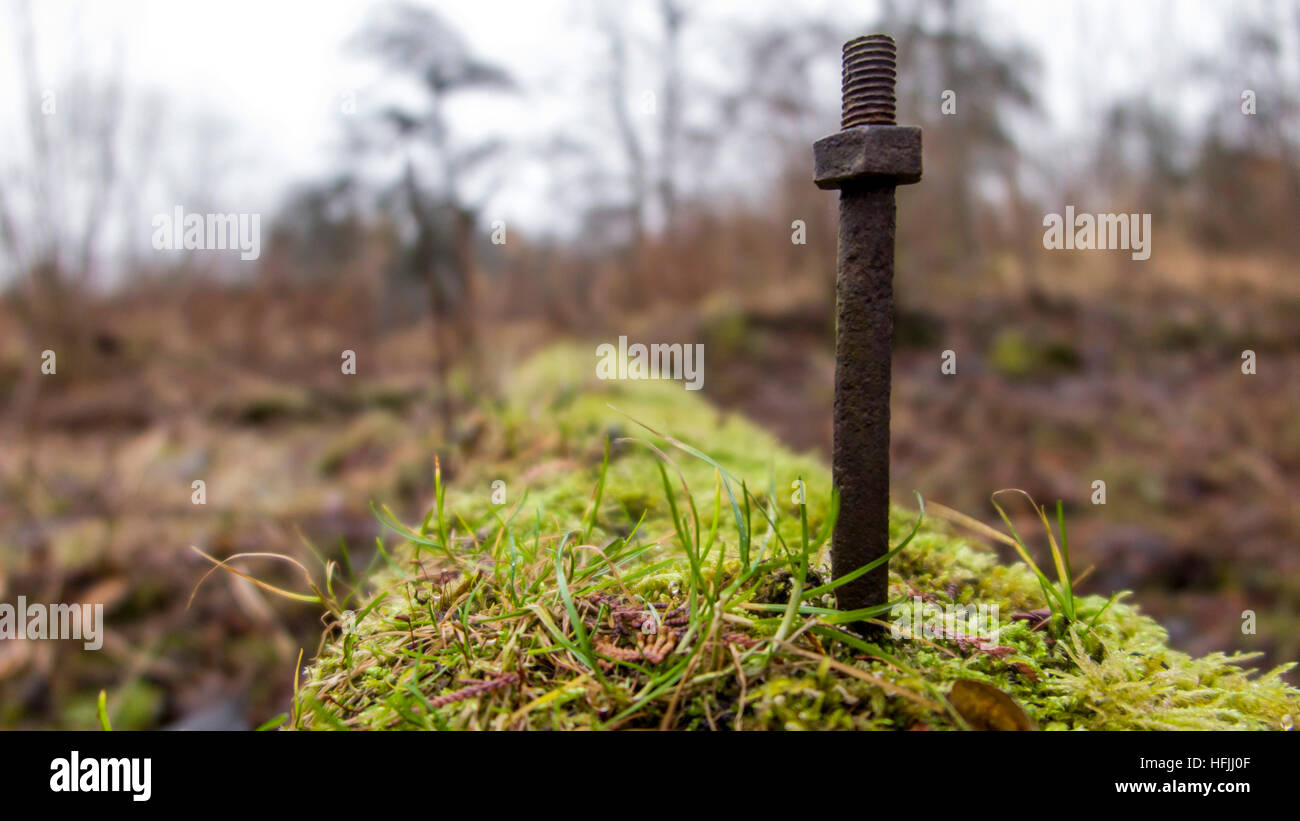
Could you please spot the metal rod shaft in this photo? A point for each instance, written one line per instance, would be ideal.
(864, 287)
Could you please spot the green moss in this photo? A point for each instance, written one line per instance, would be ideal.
(1016, 355)
(541, 613)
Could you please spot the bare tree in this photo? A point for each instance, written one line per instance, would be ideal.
(652, 144)
(620, 106)
(947, 50)
(59, 196)
(673, 18)
(418, 44)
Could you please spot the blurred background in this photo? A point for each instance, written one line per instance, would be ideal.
(444, 188)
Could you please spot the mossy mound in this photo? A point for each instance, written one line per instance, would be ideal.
(625, 581)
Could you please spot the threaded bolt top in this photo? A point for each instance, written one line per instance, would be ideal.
(870, 70)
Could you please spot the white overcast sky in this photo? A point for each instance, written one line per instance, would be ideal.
(275, 71)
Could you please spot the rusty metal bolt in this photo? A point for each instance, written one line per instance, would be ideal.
(866, 160)
(870, 69)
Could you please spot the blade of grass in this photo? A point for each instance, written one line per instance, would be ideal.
(101, 709)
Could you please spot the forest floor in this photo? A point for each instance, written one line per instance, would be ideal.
(1133, 382)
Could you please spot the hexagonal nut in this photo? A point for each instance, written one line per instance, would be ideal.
(868, 154)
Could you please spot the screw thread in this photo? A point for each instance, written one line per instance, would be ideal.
(870, 70)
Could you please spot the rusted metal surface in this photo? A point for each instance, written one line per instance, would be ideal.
(886, 154)
(870, 70)
(865, 161)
